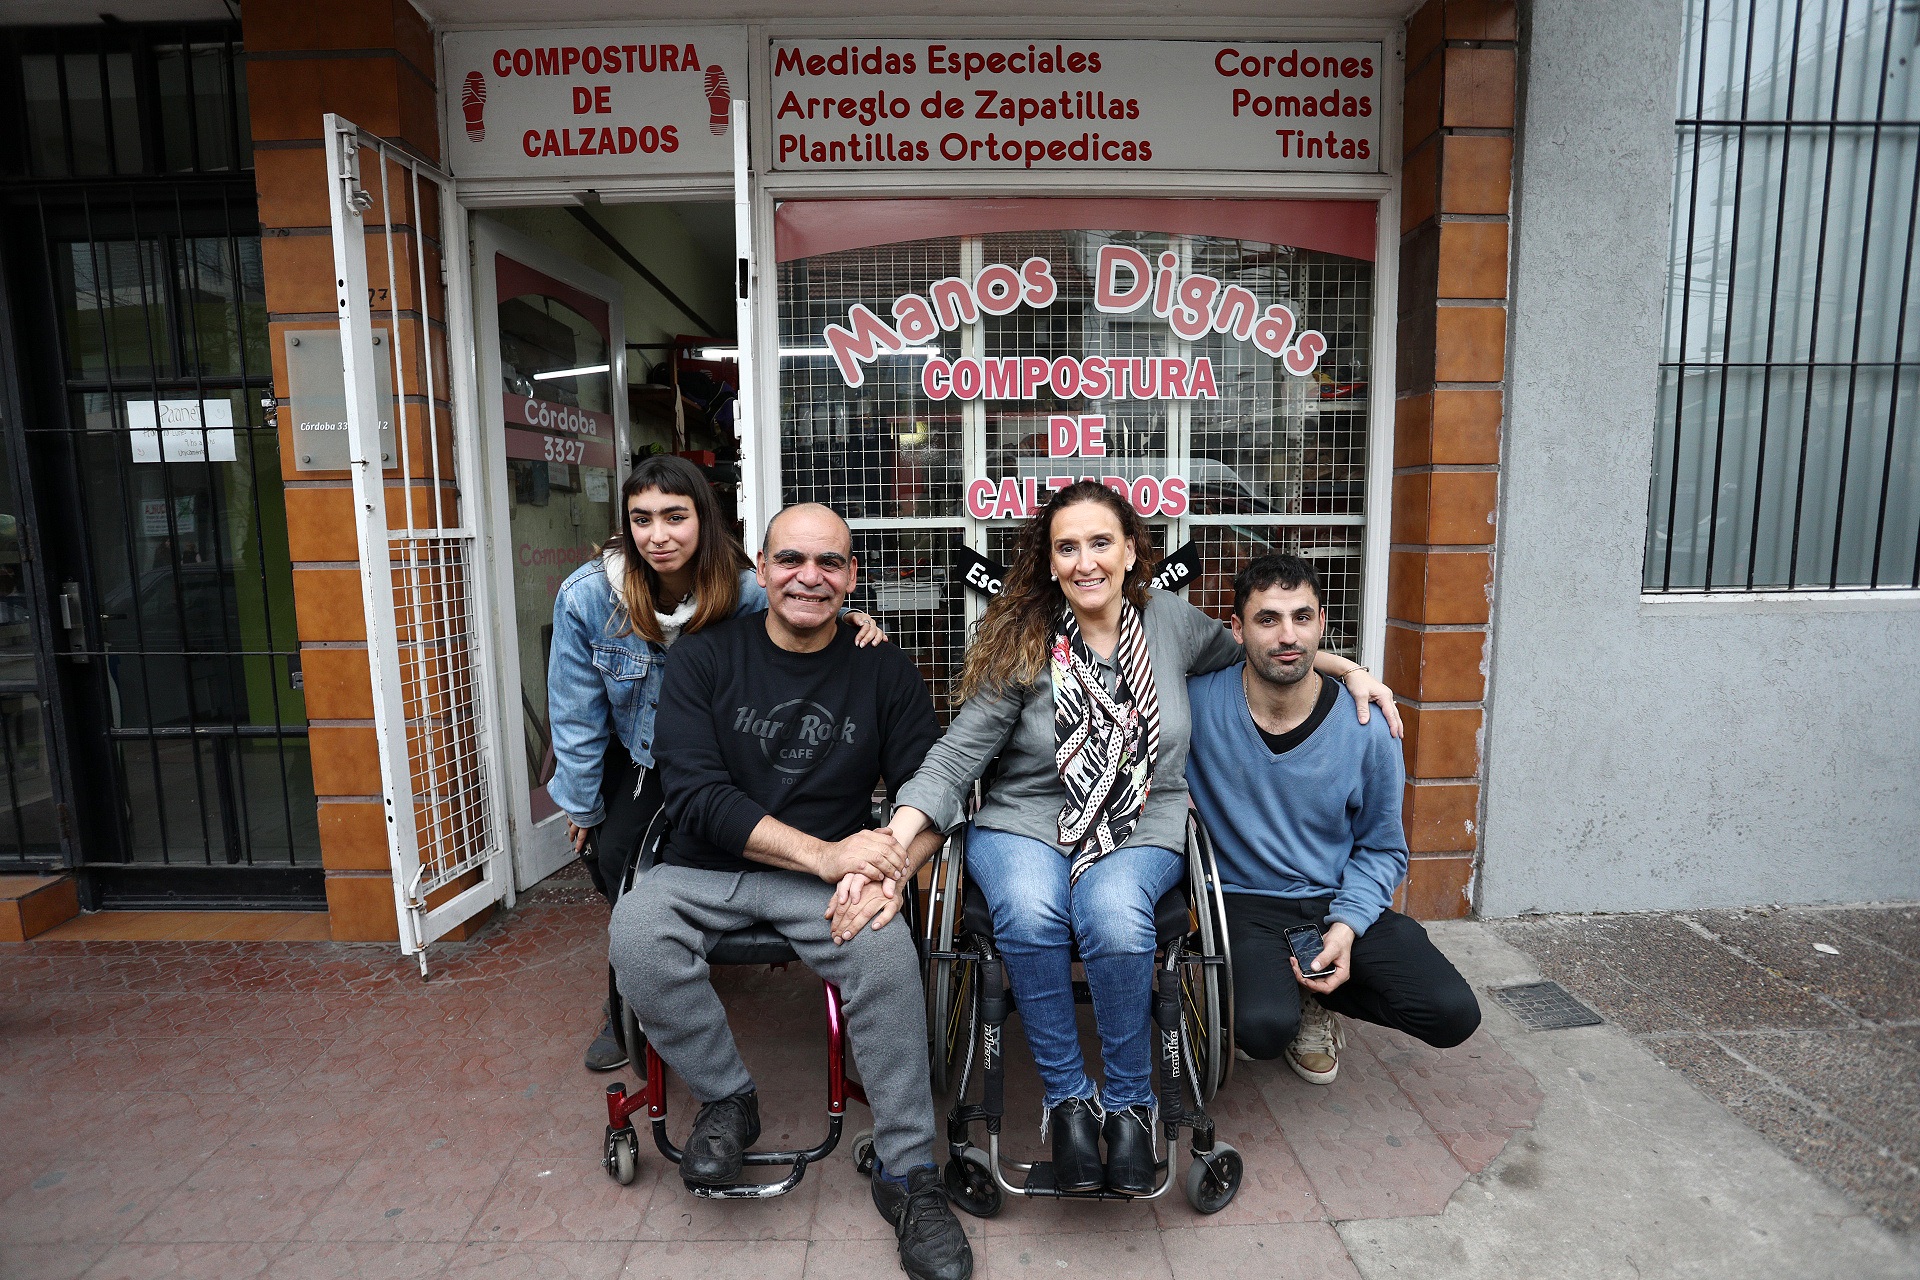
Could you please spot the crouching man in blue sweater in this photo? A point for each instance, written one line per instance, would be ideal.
(1303, 802)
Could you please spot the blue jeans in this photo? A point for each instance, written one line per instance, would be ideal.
(1036, 918)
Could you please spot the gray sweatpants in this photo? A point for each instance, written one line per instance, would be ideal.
(659, 939)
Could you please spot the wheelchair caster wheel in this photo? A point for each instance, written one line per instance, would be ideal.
(863, 1157)
(970, 1183)
(1212, 1181)
(622, 1156)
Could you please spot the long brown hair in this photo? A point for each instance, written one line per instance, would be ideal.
(1011, 646)
(717, 558)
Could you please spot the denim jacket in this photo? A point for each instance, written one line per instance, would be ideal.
(599, 682)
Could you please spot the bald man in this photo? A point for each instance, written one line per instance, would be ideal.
(772, 733)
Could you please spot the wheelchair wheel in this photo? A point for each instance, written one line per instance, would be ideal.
(1206, 989)
(863, 1156)
(970, 1183)
(622, 1156)
(949, 983)
(632, 1038)
(1212, 1183)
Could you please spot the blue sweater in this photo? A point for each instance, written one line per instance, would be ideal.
(1323, 820)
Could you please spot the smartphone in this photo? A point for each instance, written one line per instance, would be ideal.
(1306, 942)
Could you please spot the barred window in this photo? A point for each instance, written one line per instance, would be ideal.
(1786, 455)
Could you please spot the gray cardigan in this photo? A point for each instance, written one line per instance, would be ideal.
(1017, 726)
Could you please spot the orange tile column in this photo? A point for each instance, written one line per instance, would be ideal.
(1450, 380)
(371, 61)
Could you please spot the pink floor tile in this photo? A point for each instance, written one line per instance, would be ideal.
(1216, 1252)
(93, 1197)
(681, 1259)
(421, 1197)
(48, 1261)
(1368, 1152)
(567, 1199)
(475, 1260)
(830, 1258)
(242, 1198)
(1273, 1188)
(1110, 1255)
(358, 1260)
(674, 1213)
(200, 1261)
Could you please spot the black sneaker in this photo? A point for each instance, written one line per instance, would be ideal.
(606, 1053)
(722, 1132)
(932, 1244)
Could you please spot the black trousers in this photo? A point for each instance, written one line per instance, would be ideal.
(1398, 978)
(631, 797)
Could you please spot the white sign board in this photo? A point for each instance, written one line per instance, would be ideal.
(181, 430)
(1090, 105)
(592, 102)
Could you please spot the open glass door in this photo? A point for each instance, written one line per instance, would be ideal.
(399, 245)
(552, 357)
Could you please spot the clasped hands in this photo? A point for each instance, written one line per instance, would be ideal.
(867, 867)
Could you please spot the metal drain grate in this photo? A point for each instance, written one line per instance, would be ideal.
(1545, 1006)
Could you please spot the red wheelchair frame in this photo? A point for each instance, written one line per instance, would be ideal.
(620, 1151)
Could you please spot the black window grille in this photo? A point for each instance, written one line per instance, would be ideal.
(120, 100)
(1786, 455)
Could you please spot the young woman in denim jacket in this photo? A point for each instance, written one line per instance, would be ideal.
(673, 568)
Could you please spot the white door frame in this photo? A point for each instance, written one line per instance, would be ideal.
(539, 849)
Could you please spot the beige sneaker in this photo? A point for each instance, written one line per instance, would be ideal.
(1314, 1054)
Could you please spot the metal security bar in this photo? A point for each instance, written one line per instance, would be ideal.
(175, 592)
(125, 100)
(425, 589)
(1786, 454)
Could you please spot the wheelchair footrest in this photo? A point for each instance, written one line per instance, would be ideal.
(754, 1190)
(1041, 1182)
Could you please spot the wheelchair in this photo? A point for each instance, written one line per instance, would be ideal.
(968, 1001)
(758, 944)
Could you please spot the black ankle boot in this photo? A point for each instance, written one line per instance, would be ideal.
(1076, 1146)
(1130, 1165)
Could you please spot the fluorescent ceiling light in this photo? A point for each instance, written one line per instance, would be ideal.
(822, 353)
(551, 374)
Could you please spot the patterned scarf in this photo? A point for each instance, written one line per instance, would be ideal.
(1105, 746)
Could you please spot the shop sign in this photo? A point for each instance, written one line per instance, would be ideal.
(317, 398)
(1194, 305)
(1017, 105)
(592, 102)
(181, 430)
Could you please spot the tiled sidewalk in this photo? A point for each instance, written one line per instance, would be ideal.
(307, 1109)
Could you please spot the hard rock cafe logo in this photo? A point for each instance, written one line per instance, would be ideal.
(795, 736)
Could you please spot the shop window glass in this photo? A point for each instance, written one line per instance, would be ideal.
(1240, 460)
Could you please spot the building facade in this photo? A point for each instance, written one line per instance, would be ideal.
(1570, 350)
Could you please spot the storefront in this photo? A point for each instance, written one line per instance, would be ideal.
(963, 271)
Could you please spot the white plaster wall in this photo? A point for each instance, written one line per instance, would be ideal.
(1655, 755)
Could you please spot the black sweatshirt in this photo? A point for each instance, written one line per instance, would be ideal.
(747, 730)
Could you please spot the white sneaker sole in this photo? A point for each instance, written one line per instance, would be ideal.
(1311, 1077)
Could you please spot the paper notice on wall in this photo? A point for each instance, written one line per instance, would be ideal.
(181, 430)
(599, 485)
